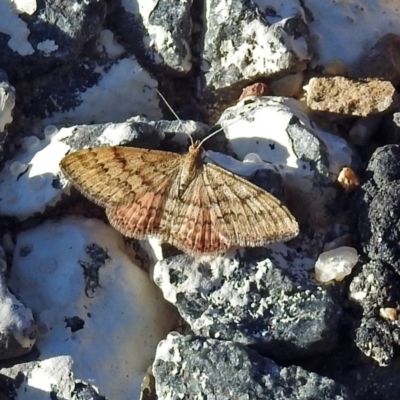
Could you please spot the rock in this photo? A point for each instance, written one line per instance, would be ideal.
(7, 103)
(342, 32)
(288, 86)
(336, 264)
(241, 44)
(378, 207)
(257, 89)
(343, 96)
(348, 179)
(17, 326)
(226, 370)
(92, 92)
(163, 30)
(97, 312)
(49, 34)
(376, 285)
(381, 61)
(364, 129)
(260, 298)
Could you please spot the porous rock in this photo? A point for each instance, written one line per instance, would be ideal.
(342, 96)
(198, 368)
(251, 299)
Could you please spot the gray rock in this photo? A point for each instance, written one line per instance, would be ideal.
(53, 34)
(163, 29)
(240, 44)
(364, 129)
(378, 207)
(376, 285)
(380, 61)
(250, 299)
(91, 92)
(17, 326)
(135, 132)
(202, 368)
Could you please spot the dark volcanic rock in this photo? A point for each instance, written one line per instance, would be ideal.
(203, 368)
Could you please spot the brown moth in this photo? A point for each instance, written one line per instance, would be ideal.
(198, 207)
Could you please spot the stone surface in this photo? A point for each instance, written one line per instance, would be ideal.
(335, 264)
(379, 207)
(343, 96)
(99, 316)
(33, 43)
(241, 43)
(342, 31)
(164, 28)
(198, 368)
(376, 285)
(258, 299)
(257, 89)
(381, 61)
(17, 326)
(90, 92)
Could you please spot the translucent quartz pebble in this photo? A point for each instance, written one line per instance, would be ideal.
(335, 264)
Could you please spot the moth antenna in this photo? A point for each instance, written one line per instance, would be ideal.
(175, 115)
(218, 131)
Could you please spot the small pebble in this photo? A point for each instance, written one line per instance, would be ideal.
(334, 265)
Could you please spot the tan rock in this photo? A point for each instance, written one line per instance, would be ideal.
(340, 95)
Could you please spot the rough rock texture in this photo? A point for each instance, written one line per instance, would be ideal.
(250, 299)
(198, 368)
(340, 32)
(376, 285)
(74, 90)
(164, 29)
(53, 34)
(17, 326)
(379, 207)
(343, 96)
(240, 44)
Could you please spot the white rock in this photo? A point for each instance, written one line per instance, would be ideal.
(15, 28)
(342, 30)
(27, 180)
(165, 41)
(17, 326)
(335, 265)
(124, 315)
(7, 101)
(124, 89)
